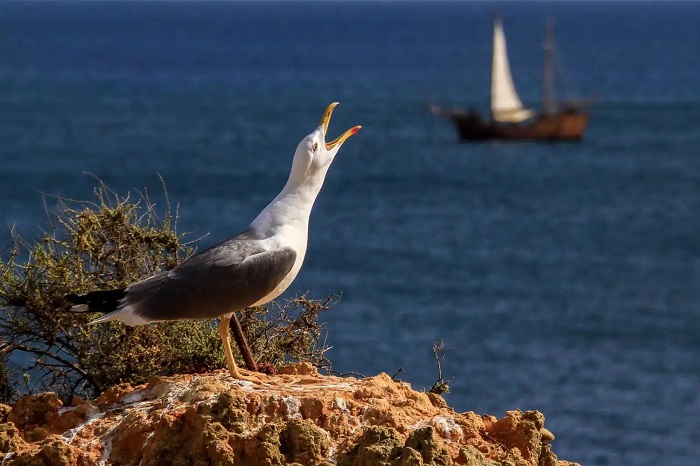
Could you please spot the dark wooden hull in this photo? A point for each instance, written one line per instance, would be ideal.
(569, 125)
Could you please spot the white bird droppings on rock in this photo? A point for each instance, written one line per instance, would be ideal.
(447, 428)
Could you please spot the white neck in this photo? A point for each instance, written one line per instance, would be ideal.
(292, 206)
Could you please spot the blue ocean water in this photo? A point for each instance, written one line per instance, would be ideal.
(565, 277)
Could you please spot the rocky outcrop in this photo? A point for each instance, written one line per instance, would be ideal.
(296, 417)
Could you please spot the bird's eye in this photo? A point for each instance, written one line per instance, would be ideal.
(315, 146)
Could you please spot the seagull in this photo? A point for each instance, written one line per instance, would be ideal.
(249, 269)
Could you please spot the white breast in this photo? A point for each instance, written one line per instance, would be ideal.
(295, 238)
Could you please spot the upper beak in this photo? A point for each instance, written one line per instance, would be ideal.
(325, 121)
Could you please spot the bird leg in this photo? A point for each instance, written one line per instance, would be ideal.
(242, 342)
(224, 333)
(224, 322)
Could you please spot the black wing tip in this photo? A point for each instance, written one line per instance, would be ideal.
(95, 301)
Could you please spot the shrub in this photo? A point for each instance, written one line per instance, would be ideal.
(109, 243)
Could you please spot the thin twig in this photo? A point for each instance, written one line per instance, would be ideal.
(440, 386)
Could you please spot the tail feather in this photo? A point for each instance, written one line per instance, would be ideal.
(96, 301)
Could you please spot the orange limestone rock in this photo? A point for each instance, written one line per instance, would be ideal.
(295, 417)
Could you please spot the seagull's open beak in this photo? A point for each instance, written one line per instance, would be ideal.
(325, 121)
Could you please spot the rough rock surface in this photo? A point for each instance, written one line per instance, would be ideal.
(296, 417)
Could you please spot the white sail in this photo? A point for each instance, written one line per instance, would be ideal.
(505, 103)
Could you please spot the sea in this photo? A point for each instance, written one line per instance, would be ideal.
(562, 277)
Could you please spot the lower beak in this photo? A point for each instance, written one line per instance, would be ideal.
(341, 139)
(325, 121)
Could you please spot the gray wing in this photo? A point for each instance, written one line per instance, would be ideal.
(227, 277)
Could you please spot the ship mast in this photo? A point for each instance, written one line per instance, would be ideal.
(549, 104)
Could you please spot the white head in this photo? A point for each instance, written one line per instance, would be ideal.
(314, 155)
(311, 161)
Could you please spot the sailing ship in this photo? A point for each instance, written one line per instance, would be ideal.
(509, 120)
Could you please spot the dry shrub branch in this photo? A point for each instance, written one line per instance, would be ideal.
(107, 243)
